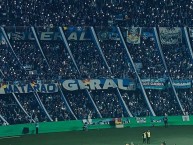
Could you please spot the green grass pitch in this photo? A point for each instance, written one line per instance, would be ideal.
(179, 135)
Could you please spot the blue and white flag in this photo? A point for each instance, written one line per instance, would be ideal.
(133, 35)
(170, 36)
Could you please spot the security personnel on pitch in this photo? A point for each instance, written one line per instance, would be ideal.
(148, 134)
(37, 125)
(144, 137)
(166, 121)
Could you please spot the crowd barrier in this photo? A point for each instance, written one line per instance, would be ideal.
(76, 125)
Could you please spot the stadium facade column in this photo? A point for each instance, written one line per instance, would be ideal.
(74, 62)
(104, 59)
(2, 118)
(138, 78)
(188, 42)
(63, 97)
(166, 68)
(66, 103)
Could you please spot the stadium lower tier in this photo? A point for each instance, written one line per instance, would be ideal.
(75, 125)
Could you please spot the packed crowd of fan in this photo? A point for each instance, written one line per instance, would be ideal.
(109, 104)
(88, 59)
(88, 62)
(81, 104)
(91, 61)
(54, 61)
(10, 66)
(148, 55)
(135, 102)
(59, 61)
(55, 106)
(96, 12)
(163, 101)
(186, 98)
(179, 61)
(11, 111)
(31, 105)
(117, 59)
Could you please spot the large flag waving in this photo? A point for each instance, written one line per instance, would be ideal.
(133, 35)
(170, 35)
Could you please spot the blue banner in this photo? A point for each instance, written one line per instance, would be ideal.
(182, 84)
(154, 83)
(91, 84)
(98, 84)
(27, 88)
(48, 34)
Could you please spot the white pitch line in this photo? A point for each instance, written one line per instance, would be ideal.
(9, 137)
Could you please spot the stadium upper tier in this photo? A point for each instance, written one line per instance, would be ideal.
(146, 13)
(66, 73)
